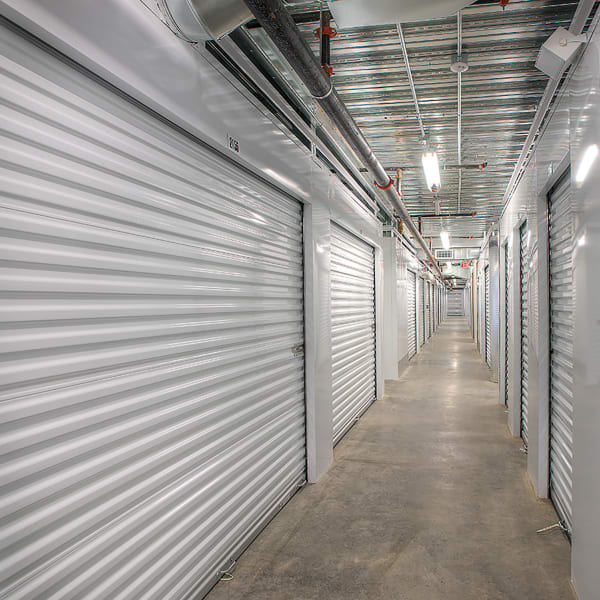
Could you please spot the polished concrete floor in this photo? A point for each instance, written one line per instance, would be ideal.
(427, 500)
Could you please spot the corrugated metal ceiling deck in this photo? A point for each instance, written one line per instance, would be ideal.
(500, 93)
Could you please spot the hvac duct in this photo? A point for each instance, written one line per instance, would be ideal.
(198, 20)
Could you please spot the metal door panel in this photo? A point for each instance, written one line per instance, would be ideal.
(353, 328)
(456, 303)
(423, 324)
(152, 407)
(506, 323)
(412, 314)
(561, 232)
(524, 283)
(487, 317)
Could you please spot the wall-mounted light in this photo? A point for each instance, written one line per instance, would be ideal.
(431, 168)
(587, 160)
(445, 240)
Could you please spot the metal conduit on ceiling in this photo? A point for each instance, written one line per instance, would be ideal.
(498, 95)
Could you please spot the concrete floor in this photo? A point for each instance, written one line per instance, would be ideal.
(427, 500)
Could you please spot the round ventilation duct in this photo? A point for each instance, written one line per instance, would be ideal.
(199, 20)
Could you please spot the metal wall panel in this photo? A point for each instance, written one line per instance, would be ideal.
(412, 313)
(561, 235)
(488, 332)
(152, 393)
(352, 328)
(524, 282)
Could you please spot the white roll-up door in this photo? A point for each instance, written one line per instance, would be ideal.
(422, 305)
(488, 335)
(456, 303)
(561, 348)
(426, 300)
(524, 275)
(412, 313)
(352, 328)
(430, 310)
(152, 399)
(506, 323)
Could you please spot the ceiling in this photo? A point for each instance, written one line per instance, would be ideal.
(500, 92)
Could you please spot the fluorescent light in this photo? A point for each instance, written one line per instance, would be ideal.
(589, 156)
(431, 167)
(445, 239)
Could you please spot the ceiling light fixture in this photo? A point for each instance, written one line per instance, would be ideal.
(431, 167)
(445, 240)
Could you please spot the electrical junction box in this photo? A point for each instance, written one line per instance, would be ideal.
(557, 51)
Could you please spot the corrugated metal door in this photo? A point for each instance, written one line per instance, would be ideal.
(352, 328)
(523, 275)
(506, 324)
(561, 348)
(488, 334)
(433, 306)
(152, 399)
(428, 300)
(422, 311)
(412, 314)
(456, 303)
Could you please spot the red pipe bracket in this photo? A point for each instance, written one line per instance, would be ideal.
(386, 187)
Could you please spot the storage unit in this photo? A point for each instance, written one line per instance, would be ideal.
(428, 309)
(412, 313)
(352, 328)
(153, 382)
(456, 303)
(422, 311)
(488, 333)
(561, 234)
(506, 323)
(523, 278)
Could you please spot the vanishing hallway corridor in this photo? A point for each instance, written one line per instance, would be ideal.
(427, 500)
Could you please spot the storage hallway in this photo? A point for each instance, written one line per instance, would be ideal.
(299, 300)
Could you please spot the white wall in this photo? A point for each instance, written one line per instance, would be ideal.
(573, 127)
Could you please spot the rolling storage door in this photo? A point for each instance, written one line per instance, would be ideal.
(506, 323)
(422, 311)
(427, 310)
(352, 328)
(487, 316)
(412, 314)
(561, 349)
(456, 303)
(430, 312)
(152, 373)
(523, 274)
